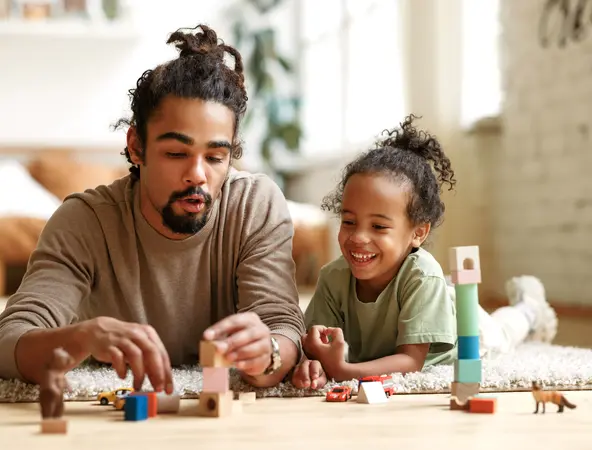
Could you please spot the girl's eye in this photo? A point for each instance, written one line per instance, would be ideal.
(347, 222)
(380, 227)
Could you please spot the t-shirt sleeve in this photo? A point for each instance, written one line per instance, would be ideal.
(265, 274)
(427, 315)
(59, 275)
(323, 308)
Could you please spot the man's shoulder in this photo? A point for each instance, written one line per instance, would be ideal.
(249, 183)
(119, 191)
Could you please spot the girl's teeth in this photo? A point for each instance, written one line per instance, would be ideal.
(363, 256)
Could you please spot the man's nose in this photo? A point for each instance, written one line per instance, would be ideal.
(196, 172)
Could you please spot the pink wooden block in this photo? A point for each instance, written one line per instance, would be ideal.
(466, 276)
(216, 379)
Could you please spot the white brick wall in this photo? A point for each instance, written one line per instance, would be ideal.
(542, 187)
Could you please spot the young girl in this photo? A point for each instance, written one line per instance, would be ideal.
(385, 306)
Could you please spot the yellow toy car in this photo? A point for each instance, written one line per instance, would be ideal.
(105, 398)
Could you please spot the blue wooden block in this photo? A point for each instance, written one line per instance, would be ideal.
(467, 370)
(136, 407)
(468, 347)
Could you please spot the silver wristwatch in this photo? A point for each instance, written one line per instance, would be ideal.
(276, 359)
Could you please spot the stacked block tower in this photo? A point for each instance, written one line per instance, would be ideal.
(466, 276)
(216, 398)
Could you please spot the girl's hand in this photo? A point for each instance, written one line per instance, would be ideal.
(309, 374)
(328, 346)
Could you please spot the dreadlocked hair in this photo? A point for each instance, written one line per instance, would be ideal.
(200, 72)
(411, 157)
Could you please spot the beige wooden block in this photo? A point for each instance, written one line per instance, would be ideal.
(215, 404)
(216, 379)
(247, 397)
(371, 392)
(457, 405)
(463, 391)
(464, 258)
(167, 404)
(210, 357)
(54, 426)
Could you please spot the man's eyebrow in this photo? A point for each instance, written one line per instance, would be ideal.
(219, 144)
(176, 136)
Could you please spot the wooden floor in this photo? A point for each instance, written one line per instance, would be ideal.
(405, 421)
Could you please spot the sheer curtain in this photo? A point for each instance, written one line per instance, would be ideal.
(352, 83)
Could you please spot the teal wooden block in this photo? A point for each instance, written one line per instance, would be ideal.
(467, 370)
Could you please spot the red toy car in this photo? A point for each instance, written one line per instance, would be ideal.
(339, 394)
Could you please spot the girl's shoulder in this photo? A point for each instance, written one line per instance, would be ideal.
(419, 264)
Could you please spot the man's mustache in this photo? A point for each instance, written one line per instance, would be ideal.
(193, 190)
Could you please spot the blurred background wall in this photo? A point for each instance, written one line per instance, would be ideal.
(504, 84)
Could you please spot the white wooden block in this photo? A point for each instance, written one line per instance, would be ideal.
(167, 403)
(464, 258)
(371, 392)
(247, 397)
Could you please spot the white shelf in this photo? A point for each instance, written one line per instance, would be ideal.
(71, 28)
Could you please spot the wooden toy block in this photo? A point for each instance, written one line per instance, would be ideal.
(482, 405)
(215, 404)
(466, 276)
(247, 397)
(168, 404)
(371, 392)
(136, 408)
(464, 258)
(54, 426)
(152, 402)
(467, 370)
(467, 309)
(210, 357)
(463, 391)
(216, 379)
(458, 405)
(468, 347)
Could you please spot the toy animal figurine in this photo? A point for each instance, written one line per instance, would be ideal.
(53, 384)
(555, 397)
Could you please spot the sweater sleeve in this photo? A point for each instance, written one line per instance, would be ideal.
(59, 275)
(266, 270)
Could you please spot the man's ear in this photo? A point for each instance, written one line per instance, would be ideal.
(420, 234)
(134, 147)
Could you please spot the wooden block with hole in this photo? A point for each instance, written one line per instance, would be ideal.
(458, 405)
(209, 356)
(464, 258)
(463, 391)
(215, 404)
(465, 276)
(482, 405)
(54, 426)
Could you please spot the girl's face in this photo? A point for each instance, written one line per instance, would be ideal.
(376, 234)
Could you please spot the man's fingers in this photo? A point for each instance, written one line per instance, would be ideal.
(229, 325)
(133, 356)
(118, 361)
(165, 360)
(301, 378)
(255, 366)
(259, 348)
(246, 337)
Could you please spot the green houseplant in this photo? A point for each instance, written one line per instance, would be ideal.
(270, 76)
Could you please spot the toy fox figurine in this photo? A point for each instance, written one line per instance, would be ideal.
(542, 397)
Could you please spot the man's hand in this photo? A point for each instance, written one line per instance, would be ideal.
(244, 340)
(121, 343)
(309, 374)
(328, 346)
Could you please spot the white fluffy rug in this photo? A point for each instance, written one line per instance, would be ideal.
(565, 368)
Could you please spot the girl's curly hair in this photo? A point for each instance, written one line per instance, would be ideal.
(408, 156)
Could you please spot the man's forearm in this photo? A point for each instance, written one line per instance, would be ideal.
(35, 346)
(288, 353)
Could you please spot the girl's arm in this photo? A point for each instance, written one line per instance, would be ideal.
(409, 358)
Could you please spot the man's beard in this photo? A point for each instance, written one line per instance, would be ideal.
(186, 223)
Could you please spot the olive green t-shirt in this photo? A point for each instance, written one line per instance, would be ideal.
(415, 308)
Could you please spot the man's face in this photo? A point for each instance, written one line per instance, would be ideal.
(186, 159)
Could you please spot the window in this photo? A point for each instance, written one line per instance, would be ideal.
(351, 73)
(481, 85)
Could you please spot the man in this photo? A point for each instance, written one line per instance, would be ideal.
(184, 248)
